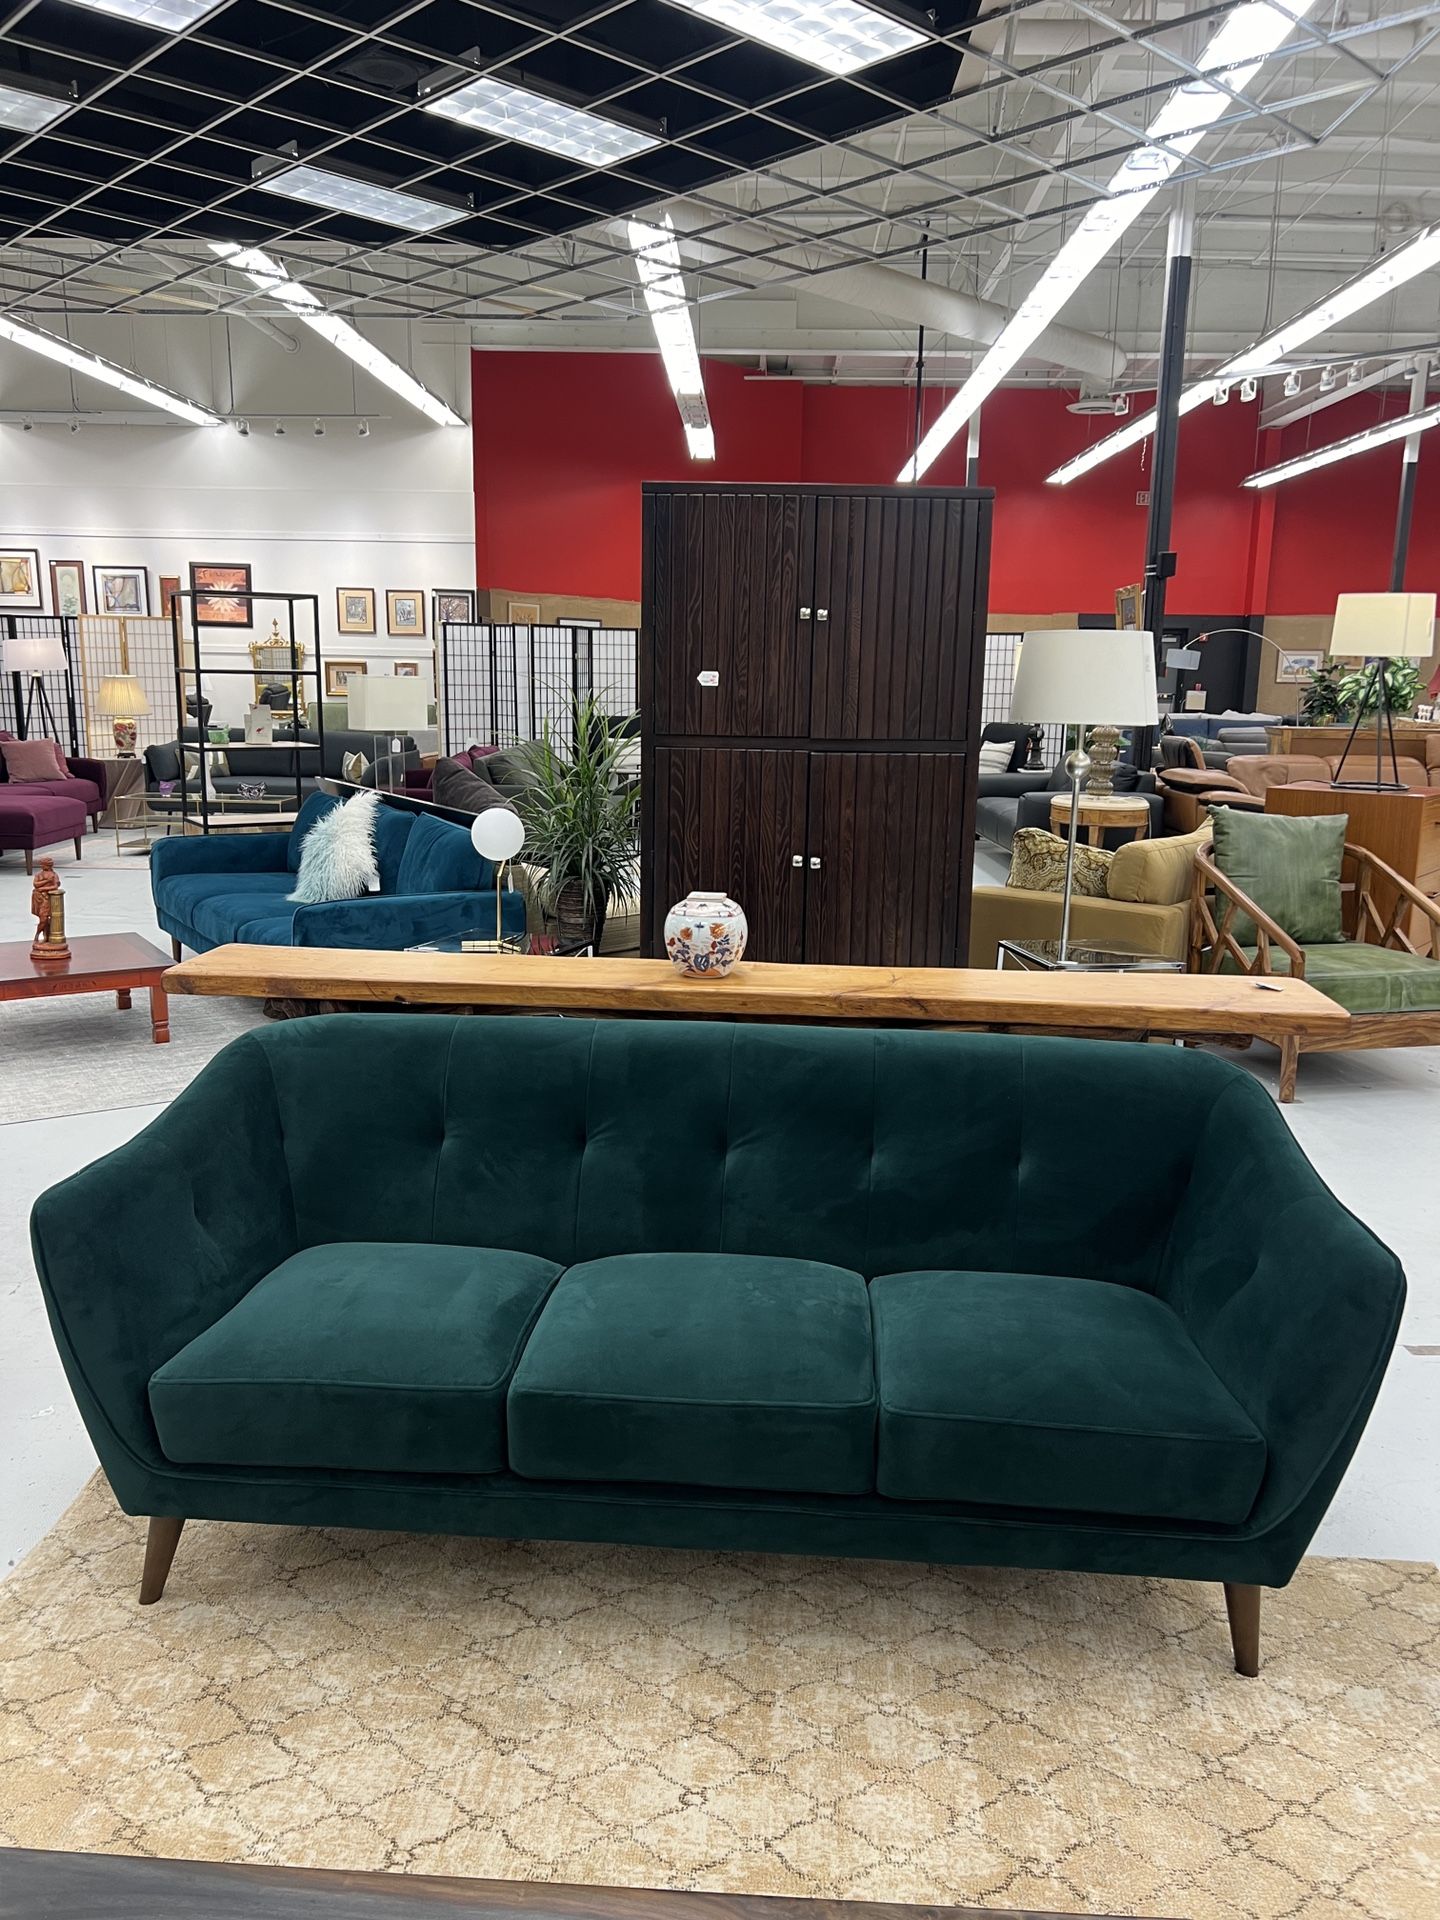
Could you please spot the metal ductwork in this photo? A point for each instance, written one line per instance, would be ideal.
(882, 290)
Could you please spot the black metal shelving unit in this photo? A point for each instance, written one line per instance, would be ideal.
(186, 625)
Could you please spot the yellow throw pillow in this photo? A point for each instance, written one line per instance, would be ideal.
(1037, 863)
(1156, 873)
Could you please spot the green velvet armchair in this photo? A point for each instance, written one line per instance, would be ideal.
(821, 1290)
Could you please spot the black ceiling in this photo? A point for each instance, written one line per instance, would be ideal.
(167, 129)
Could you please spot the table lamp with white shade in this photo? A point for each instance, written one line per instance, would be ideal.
(30, 655)
(387, 705)
(122, 699)
(498, 835)
(1085, 677)
(1380, 627)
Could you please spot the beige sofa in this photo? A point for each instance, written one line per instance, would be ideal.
(1147, 909)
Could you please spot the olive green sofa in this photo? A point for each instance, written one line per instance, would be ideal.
(819, 1290)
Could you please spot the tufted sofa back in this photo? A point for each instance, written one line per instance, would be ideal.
(876, 1150)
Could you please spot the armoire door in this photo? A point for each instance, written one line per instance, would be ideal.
(894, 624)
(733, 821)
(723, 590)
(886, 872)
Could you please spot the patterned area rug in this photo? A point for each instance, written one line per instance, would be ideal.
(720, 1721)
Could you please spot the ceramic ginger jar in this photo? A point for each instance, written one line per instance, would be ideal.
(705, 933)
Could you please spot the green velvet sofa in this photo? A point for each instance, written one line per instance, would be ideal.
(819, 1290)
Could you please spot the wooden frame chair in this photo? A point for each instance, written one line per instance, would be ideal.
(1213, 942)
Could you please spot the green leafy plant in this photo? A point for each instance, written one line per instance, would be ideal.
(1360, 694)
(1321, 703)
(580, 810)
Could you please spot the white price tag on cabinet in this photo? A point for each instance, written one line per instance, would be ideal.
(708, 677)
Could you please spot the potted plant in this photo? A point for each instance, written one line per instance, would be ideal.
(580, 806)
(1321, 703)
(1360, 694)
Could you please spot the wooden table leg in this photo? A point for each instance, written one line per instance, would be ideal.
(122, 999)
(159, 1015)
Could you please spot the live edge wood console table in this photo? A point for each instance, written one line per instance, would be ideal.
(1109, 1005)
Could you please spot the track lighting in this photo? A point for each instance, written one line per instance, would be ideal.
(1292, 385)
(27, 426)
(1221, 393)
(1327, 379)
(242, 427)
(1120, 405)
(319, 429)
(1356, 373)
(1249, 387)
(74, 426)
(363, 430)
(279, 431)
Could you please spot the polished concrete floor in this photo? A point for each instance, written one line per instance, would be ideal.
(1370, 1122)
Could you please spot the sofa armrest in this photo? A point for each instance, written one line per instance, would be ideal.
(1292, 1301)
(219, 853)
(141, 1252)
(90, 770)
(391, 920)
(1009, 786)
(1017, 913)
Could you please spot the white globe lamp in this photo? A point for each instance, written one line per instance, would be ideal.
(497, 835)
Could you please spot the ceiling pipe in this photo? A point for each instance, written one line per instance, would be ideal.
(884, 290)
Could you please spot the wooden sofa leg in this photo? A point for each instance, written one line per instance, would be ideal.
(1242, 1604)
(176, 949)
(79, 850)
(1289, 1067)
(160, 1545)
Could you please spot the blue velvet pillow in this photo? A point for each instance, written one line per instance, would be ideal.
(315, 808)
(440, 858)
(392, 837)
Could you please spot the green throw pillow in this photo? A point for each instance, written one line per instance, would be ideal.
(1290, 867)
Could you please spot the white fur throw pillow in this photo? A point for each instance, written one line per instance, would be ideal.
(337, 861)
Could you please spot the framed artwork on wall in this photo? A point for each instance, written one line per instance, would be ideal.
(355, 609)
(67, 588)
(1295, 669)
(454, 607)
(524, 613)
(339, 674)
(406, 669)
(221, 593)
(121, 590)
(20, 580)
(169, 588)
(1128, 602)
(404, 611)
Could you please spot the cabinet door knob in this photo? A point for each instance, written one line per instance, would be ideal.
(814, 862)
(804, 613)
(822, 613)
(797, 859)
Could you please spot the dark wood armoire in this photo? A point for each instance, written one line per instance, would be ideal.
(809, 689)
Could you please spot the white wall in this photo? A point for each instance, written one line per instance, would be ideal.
(395, 510)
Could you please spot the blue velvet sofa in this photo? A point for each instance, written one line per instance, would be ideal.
(226, 887)
(797, 1290)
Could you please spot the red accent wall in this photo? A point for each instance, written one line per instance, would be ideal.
(563, 441)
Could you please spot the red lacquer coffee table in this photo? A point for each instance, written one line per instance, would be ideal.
(99, 963)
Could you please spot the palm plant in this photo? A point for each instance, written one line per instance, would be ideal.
(580, 810)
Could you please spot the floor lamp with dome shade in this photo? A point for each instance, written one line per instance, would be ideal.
(1083, 677)
(498, 835)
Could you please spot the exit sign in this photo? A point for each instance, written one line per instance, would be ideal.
(1142, 499)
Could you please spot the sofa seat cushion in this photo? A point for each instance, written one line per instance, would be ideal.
(183, 895)
(376, 1356)
(230, 916)
(1031, 1390)
(70, 788)
(1362, 978)
(700, 1369)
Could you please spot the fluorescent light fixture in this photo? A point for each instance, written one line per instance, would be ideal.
(657, 260)
(24, 112)
(834, 34)
(339, 193)
(270, 277)
(138, 388)
(1400, 428)
(515, 113)
(1387, 274)
(1236, 52)
(173, 16)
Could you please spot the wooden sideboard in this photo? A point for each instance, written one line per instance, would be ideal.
(1402, 829)
(1326, 743)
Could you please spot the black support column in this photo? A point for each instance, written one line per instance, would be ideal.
(1408, 469)
(1159, 559)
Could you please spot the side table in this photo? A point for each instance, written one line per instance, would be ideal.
(1099, 813)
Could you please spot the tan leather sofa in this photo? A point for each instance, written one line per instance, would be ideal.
(1189, 793)
(1147, 910)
